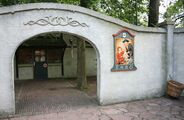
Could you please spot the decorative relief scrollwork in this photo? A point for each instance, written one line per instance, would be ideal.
(56, 21)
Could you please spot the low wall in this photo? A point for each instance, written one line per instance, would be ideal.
(179, 55)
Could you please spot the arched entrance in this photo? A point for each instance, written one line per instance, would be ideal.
(47, 69)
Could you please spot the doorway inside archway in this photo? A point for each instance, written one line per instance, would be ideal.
(54, 72)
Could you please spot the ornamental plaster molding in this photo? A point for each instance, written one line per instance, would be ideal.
(56, 21)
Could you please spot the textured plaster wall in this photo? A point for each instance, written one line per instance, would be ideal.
(54, 70)
(25, 72)
(179, 55)
(149, 78)
(147, 81)
(70, 63)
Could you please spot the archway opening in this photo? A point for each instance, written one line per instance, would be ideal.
(47, 73)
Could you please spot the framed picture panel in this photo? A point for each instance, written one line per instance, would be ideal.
(123, 51)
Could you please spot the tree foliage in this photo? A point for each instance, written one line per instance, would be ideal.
(131, 11)
(176, 11)
(13, 2)
(128, 10)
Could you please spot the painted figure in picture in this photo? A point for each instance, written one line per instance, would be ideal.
(129, 51)
(120, 56)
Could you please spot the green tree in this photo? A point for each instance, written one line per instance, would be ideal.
(7, 2)
(13, 2)
(176, 12)
(73, 2)
(130, 11)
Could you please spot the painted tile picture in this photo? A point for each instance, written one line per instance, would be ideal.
(124, 51)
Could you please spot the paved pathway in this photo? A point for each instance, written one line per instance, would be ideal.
(84, 107)
(48, 96)
(154, 109)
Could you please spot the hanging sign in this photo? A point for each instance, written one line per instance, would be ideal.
(123, 51)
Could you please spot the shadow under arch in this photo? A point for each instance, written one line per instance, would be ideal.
(73, 34)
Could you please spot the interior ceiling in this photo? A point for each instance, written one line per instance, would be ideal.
(46, 40)
(53, 39)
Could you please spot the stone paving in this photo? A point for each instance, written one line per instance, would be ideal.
(37, 97)
(84, 107)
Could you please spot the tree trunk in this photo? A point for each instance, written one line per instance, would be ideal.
(79, 76)
(81, 59)
(81, 65)
(153, 13)
(85, 3)
(91, 4)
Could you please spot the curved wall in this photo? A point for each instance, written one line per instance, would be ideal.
(21, 22)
